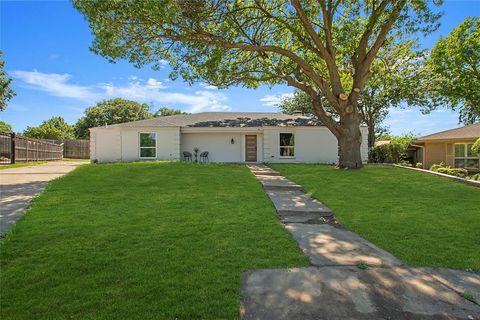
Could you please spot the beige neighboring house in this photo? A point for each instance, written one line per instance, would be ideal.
(226, 136)
(452, 147)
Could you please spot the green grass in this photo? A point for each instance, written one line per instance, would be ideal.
(21, 164)
(141, 241)
(423, 219)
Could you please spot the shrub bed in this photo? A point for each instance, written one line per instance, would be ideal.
(457, 172)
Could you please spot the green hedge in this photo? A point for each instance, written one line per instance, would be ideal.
(458, 172)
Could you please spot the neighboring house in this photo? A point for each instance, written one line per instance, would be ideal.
(452, 147)
(227, 136)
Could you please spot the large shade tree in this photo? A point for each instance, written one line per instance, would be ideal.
(314, 46)
(455, 65)
(165, 111)
(6, 90)
(398, 79)
(5, 128)
(110, 112)
(53, 128)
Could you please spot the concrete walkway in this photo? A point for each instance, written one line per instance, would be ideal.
(19, 185)
(350, 278)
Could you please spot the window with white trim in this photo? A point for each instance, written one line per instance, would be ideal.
(464, 156)
(148, 145)
(287, 145)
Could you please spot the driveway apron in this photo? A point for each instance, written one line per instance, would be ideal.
(19, 185)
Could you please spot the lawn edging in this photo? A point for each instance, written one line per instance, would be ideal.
(21, 164)
(462, 180)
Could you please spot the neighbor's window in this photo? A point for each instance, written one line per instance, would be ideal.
(464, 156)
(148, 142)
(287, 145)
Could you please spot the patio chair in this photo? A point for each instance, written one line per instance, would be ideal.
(204, 156)
(187, 156)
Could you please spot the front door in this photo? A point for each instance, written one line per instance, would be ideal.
(251, 148)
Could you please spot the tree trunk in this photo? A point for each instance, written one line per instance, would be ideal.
(349, 143)
(371, 135)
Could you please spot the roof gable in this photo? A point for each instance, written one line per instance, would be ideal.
(471, 131)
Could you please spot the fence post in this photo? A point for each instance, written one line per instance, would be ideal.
(12, 146)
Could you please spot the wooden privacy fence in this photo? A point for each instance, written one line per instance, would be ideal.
(15, 149)
(75, 149)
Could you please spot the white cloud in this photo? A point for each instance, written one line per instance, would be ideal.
(150, 91)
(154, 83)
(54, 84)
(163, 62)
(208, 86)
(399, 111)
(272, 100)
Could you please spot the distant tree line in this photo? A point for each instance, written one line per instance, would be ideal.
(103, 113)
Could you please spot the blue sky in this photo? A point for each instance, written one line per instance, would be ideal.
(46, 50)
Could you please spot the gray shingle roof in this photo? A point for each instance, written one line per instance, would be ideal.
(226, 119)
(471, 131)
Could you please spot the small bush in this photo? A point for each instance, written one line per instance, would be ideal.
(476, 147)
(475, 177)
(435, 167)
(419, 165)
(458, 172)
(405, 163)
(393, 152)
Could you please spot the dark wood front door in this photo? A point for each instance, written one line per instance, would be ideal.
(251, 148)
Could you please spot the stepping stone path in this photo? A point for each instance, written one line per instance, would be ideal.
(291, 203)
(349, 277)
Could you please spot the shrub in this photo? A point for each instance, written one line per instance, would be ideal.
(419, 165)
(476, 147)
(475, 177)
(405, 163)
(393, 152)
(458, 172)
(435, 167)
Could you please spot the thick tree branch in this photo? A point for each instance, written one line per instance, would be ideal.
(362, 46)
(363, 68)
(324, 54)
(317, 107)
(327, 15)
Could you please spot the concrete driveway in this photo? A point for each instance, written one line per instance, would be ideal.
(19, 185)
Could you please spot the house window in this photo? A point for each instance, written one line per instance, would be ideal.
(464, 157)
(148, 142)
(287, 145)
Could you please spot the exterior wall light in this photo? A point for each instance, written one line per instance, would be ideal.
(232, 141)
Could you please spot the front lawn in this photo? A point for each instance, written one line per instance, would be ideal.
(423, 219)
(141, 241)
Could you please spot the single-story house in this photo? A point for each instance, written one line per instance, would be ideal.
(226, 136)
(452, 147)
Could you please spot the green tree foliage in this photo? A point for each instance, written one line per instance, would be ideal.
(110, 112)
(398, 78)
(324, 48)
(6, 91)
(53, 128)
(476, 147)
(298, 103)
(164, 111)
(455, 63)
(5, 128)
(393, 152)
